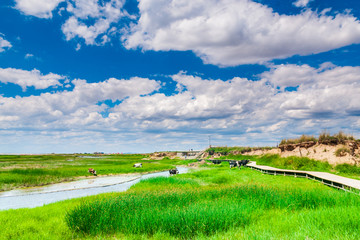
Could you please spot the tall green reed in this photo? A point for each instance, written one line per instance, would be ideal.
(203, 211)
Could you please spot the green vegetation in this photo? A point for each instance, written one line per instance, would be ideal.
(190, 213)
(298, 163)
(239, 157)
(303, 138)
(324, 137)
(36, 170)
(209, 204)
(338, 138)
(234, 150)
(341, 152)
(304, 163)
(294, 163)
(348, 169)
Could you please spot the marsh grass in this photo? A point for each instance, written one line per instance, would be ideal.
(165, 183)
(37, 170)
(248, 205)
(293, 162)
(307, 164)
(200, 211)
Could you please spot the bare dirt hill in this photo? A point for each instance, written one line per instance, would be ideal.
(348, 152)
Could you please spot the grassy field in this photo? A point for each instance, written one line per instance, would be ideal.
(216, 203)
(36, 170)
(300, 163)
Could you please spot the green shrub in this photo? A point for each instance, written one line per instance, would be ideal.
(341, 152)
(347, 168)
(324, 137)
(338, 138)
(303, 138)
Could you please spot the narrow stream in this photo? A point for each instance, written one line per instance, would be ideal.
(36, 197)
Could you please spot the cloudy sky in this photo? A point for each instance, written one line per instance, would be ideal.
(152, 75)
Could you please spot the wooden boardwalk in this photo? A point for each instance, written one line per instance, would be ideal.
(329, 179)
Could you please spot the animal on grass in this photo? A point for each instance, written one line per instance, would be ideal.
(92, 171)
(173, 172)
(238, 163)
(137, 165)
(233, 164)
(243, 162)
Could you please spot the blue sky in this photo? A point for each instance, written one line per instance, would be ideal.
(153, 75)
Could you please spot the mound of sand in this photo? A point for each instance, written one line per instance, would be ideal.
(317, 151)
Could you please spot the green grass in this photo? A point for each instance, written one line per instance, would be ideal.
(304, 163)
(36, 170)
(238, 157)
(298, 163)
(294, 163)
(192, 213)
(199, 211)
(234, 150)
(217, 203)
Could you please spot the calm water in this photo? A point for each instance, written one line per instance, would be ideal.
(35, 197)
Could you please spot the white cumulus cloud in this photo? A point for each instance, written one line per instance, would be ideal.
(91, 20)
(103, 14)
(142, 117)
(26, 79)
(37, 8)
(233, 32)
(301, 3)
(4, 44)
(77, 108)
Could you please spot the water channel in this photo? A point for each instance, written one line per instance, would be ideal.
(39, 196)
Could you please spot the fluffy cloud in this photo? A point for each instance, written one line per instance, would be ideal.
(321, 93)
(4, 44)
(225, 33)
(37, 8)
(71, 109)
(26, 79)
(326, 98)
(202, 100)
(292, 75)
(233, 32)
(91, 20)
(102, 14)
(301, 3)
(140, 116)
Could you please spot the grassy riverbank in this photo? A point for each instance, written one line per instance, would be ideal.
(210, 204)
(37, 170)
(300, 163)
